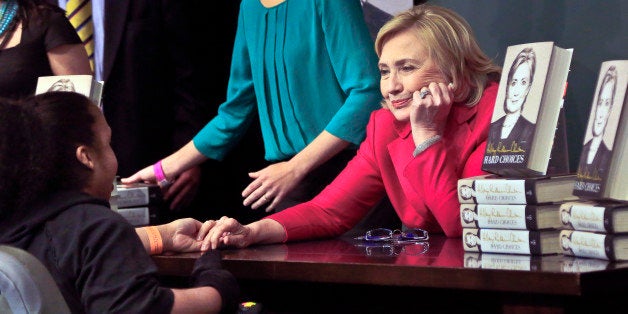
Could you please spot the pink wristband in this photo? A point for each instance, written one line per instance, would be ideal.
(160, 175)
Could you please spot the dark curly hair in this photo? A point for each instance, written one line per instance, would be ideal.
(39, 136)
(23, 161)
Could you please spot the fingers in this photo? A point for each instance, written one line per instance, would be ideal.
(213, 233)
(436, 92)
(257, 195)
(144, 175)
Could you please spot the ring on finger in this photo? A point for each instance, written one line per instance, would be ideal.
(424, 93)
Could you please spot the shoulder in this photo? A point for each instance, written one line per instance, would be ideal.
(90, 216)
(489, 95)
(485, 106)
(381, 116)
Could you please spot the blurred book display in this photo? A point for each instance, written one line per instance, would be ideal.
(82, 84)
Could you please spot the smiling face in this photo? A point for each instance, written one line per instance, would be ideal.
(603, 108)
(518, 88)
(405, 67)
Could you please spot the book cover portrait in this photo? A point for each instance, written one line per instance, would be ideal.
(527, 110)
(601, 132)
(512, 128)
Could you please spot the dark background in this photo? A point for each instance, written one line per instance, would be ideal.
(597, 31)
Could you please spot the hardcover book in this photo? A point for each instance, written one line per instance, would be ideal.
(511, 216)
(604, 158)
(612, 247)
(596, 216)
(82, 84)
(530, 242)
(142, 216)
(138, 194)
(527, 110)
(494, 189)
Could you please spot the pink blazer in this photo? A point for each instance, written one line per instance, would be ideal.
(422, 189)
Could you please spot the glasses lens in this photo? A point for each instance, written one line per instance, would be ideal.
(378, 234)
(415, 234)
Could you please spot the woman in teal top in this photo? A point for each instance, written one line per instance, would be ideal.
(308, 69)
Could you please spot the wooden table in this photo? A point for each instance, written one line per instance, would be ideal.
(340, 275)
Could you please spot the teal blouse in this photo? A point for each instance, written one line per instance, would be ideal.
(304, 66)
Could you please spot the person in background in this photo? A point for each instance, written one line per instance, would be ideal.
(307, 71)
(514, 127)
(144, 52)
(439, 90)
(36, 39)
(56, 177)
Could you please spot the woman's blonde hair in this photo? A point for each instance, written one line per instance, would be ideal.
(450, 43)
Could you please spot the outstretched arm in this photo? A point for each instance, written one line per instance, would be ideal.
(177, 236)
(173, 165)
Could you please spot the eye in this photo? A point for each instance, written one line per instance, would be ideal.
(384, 72)
(407, 68)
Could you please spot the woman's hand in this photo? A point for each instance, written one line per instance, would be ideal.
(225, 231)
(270, 185)
(428, 114)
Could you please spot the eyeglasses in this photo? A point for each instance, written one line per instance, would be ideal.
(395, 236)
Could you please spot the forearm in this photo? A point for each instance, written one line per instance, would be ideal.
(180, 161)
(266, 231)
(321, 149)
(196, 300)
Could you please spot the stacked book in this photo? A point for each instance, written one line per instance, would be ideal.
(597, 225)
(515, 208)
(513, 215)
(140, 203)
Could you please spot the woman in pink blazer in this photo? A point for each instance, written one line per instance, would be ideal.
(438, 91)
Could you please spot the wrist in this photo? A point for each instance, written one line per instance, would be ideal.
(160, 175)
(155, 242)
(425, 145)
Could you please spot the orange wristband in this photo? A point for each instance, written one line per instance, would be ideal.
(154, 239)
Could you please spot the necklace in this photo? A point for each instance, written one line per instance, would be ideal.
(8, 10)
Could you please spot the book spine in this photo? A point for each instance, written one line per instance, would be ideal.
(499, 216)
(501, 241)
(587, 244)
(494, 191)
(138, 196)
(136, 216)
(586, 217)
(530, 191)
